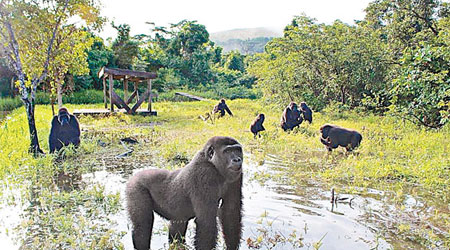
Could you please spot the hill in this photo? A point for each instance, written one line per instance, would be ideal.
(246, 41)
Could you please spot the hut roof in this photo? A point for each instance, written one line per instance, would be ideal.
(131, 75)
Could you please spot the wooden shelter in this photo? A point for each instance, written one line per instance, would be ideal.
(127, 76)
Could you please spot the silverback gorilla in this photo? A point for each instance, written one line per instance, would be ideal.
(214, 174)
(222, 107)
(307, 113)
(257, 125)
(334, 136)
(291, 118)
(65, 130)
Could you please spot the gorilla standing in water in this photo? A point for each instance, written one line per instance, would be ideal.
(65, 130)
(291, 118)
(307, 113)
(195, 191)
(334, 136)
(257, 125)
(222, 107)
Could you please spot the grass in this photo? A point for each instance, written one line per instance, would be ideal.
(395, 156)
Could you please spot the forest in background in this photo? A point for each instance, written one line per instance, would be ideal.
(396, 60)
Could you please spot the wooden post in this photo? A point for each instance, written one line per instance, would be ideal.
(111, 85)
(137, 91)
(125, 88)
(104, 92)
(149, 83)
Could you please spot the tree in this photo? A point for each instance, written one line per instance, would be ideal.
(28, 32)
(416, 37)
(188, 51)
(125, 48)
(69, 56)
(320, 63)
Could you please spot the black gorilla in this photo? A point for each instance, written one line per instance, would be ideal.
(307, 113)
(291, 118)
(222, 107)
(65, 130)
(194, 191)
(334, 136)
(257, 125)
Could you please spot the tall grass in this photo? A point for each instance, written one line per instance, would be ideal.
(395, 155)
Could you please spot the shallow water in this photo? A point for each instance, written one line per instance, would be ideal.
(278, 215)
(285, 217)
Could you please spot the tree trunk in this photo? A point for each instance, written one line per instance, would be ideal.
(52, 102)
(59, 94)
(343, 94)
(34, 146)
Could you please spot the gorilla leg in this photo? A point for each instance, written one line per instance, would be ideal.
(177, 231)
(206, 226)
(231, 217)
(140, 208)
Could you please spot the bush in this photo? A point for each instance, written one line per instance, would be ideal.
(8, 104)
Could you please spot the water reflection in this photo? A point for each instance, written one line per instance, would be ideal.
(276, 212)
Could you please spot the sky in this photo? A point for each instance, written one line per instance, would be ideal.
(226, 15)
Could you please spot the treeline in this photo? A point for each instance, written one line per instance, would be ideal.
(182, 55)
(396, 60)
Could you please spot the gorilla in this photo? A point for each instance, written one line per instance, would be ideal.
(213, 176)
(257, 125)
(65, 130)
(291, 118)
(307, 113)
(334, 136)
(222, 107)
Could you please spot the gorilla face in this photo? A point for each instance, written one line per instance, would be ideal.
(226, 155)
(63, 117)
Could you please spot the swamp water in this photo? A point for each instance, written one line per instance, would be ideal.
(279, 216)
(276, 214)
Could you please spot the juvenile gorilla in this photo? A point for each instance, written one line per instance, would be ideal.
(307, 113)
(194, 191)
(222, 107)
(257, 125)
(334, 136)
(65, 130)
(291, 118)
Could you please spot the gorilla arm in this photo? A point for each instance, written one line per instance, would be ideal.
(53, 141)
(228, 110)
(75, 126)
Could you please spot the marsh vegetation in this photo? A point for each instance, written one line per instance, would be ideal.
(394, 188)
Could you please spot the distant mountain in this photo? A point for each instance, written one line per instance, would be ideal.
(246, 41)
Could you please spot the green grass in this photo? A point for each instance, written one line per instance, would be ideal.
(395, 155)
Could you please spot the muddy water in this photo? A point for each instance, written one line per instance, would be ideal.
(279, 216)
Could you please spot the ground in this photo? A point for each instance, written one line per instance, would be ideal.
(396, 157)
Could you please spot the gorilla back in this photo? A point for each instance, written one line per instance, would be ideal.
(194, 191)
(65, 130)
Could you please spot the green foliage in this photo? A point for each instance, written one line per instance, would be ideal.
(234, 61)
(125, 48)
(320, 63)
(422, 90)
(98, 56)
(52, 219)
(8, 103)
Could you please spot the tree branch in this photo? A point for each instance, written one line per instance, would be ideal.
(49, 51)
(15, 50)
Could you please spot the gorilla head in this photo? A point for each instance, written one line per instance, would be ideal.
(225, 153)
(63, 116)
